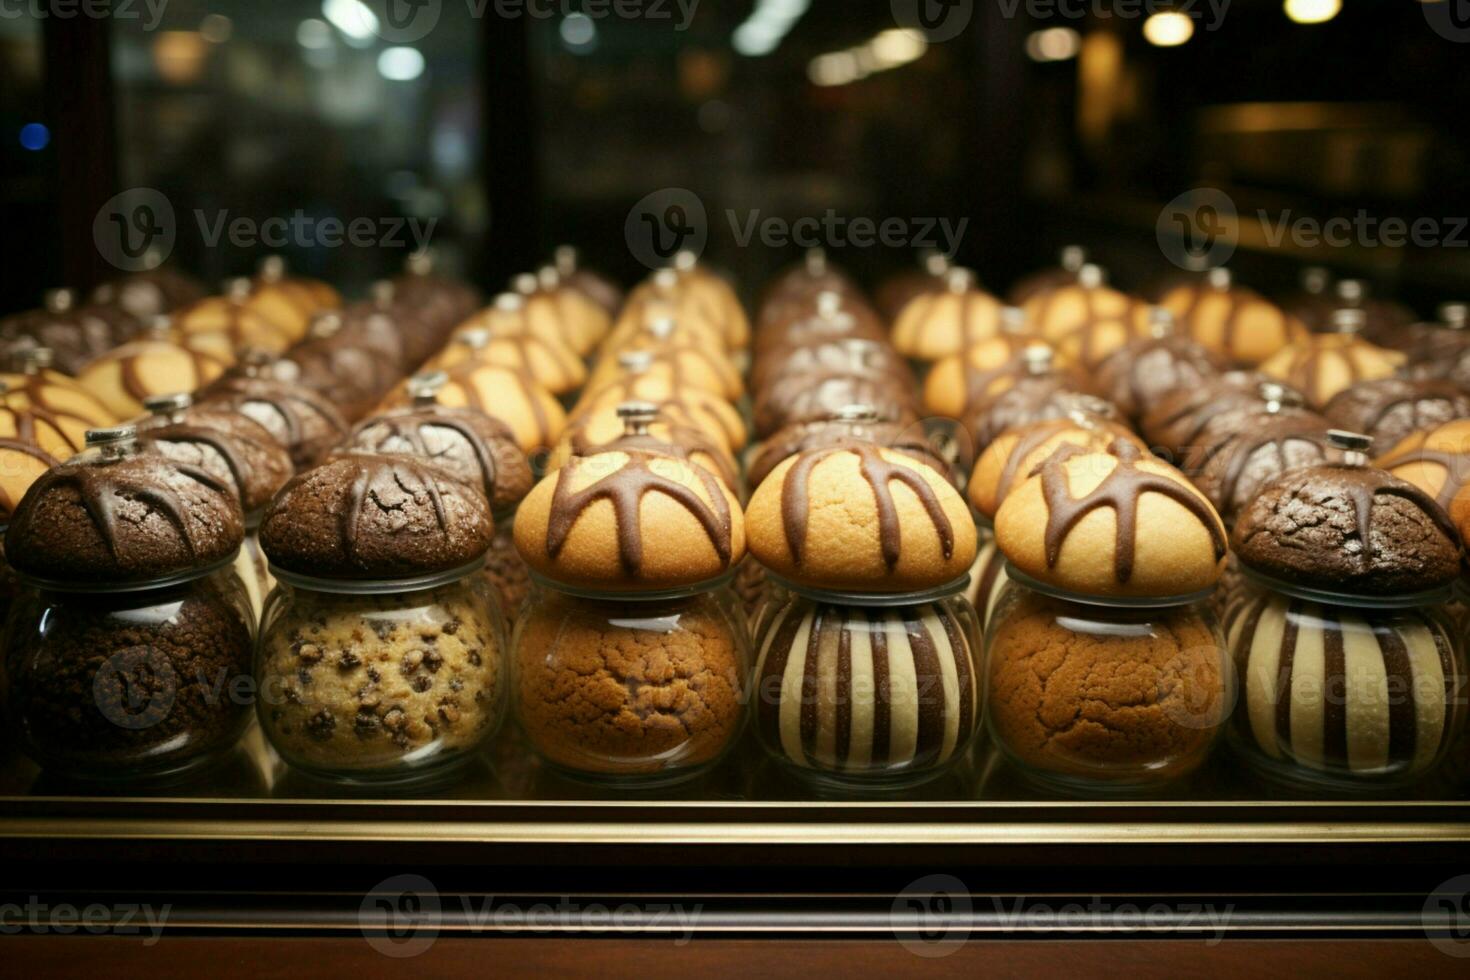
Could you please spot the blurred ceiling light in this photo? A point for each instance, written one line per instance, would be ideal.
(400, 64)
(178, 56)
(352, 18)
(578, 33)
(1169, 28)
(770, 22)
(837, 68)
(1053, 44)
(1312, 11)
(216, 28)
(889, 49)
(898, 47)
(313, 34)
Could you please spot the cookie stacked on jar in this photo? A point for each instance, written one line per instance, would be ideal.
(630, 658)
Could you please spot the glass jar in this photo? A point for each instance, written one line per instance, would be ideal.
(1341, 691)
(505, 569)
(862, 691)
(138, 683)
(254, 571)
(642, 688)
(1088, 693)
(380, 681)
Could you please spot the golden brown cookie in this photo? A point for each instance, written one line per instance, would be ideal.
(708, 411)
(935, 325)
(123, 377)
(548, 360)
(1235, 323)
(626, 521)
(987, 368)
(862, 518)
(1084, 304)
(235, 322)
(1436, 461)
(1117, 524)
(1321, 365)
(512, 396)
(1016, 452)
(682, 364)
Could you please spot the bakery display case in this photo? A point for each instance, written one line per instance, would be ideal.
(793, 478)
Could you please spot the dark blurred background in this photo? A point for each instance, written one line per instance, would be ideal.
(1040, 123)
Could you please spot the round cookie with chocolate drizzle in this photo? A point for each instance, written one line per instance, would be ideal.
(851, 422)
(1269, 446)
(647, 429)
(1235, 323)
(627, 521)
(859, 517)
(1016, 453)
(471, 446)
(1115, 524)
(1436, 461)
(1388, 410)
(116, 516)
(378, 517)
(296, 416)
(1140, 373)
(1349, 528)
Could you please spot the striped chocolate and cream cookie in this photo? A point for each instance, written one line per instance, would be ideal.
(856, 690)
(1335, 691)
(987, 581)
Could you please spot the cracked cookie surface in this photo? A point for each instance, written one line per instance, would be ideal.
(1079, 697)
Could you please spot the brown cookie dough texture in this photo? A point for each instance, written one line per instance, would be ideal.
(353, 683)
(1268, 446)
(1346, 528)
(629, 520)
(232, 447)
(1119, 523)
(1389, 410)
(935, 325)
(1137, 375)
(1015, 453)
(470, 446)
(791, 323)
(369, 516)
(981, 371)
(599, 691)
(298, 418)
(863, 518)
(1110, 702)
(126, 518)
(1031, 399)
(1235, 323)
(1322, 365)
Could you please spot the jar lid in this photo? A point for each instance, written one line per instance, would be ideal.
(1408, 600)
(1106, 601)
(651, 595)
(874, 600)
(385, 586)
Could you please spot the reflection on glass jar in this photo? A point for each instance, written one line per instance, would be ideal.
(107, 685)
(867, 695)
(1344, 695)
(1082, 694)
(382, 685)
(640, 688)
